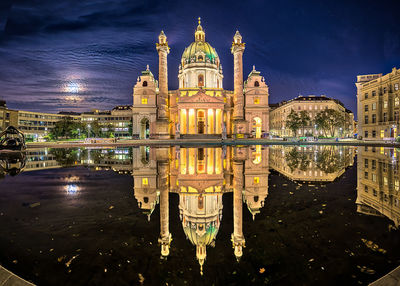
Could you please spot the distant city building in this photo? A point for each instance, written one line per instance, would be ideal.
(378, 105)
(7, 116)
(119, 119)
(200, 107)
(37, 125)
(312, 105)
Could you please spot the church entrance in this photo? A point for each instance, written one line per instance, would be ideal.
(144, 128)
(200, 122)
(256, 130)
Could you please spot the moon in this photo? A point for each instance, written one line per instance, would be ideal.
(73, 87)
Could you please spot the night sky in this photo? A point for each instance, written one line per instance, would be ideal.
(78, 55)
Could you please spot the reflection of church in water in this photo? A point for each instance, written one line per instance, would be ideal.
(201, 176)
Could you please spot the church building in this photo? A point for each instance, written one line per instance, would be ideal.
(201, 107)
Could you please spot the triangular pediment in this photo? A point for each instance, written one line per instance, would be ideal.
(201, 97)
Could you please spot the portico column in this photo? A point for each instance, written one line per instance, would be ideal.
(206, 119)
(215, 121)
(195, 122)
(187, 121)
(178, 132)
(228, 123)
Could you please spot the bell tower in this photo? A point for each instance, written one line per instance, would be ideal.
(162, 101)
(239, 124)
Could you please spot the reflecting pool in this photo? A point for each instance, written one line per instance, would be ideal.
(277, 215)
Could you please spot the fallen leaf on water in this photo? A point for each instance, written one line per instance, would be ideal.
(141, 278)
(373, 246)
(311, 260)
(262, 270)
(70, 261)
(111, 207)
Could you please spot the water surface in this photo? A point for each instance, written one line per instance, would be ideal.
(277, 215)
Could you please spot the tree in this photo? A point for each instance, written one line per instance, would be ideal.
(329, 160)
(328, 121)
(304, 119)
(296, 160)
(67, 128)
(293, 122)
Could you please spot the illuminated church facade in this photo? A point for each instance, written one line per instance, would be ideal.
(201, 107)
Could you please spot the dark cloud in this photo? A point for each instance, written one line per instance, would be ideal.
(310, 47)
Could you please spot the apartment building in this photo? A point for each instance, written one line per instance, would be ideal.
(313, 105)
(378, 105)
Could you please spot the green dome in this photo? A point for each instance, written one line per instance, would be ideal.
(197, 48)
(207, 238)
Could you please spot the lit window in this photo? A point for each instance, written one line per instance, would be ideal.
(396, 86)
(382, 133)
(145, 181)
(144, 100)
(385, 104)
(256, 100)
(256, 180)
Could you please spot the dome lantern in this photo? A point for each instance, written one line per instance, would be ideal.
(199, 35)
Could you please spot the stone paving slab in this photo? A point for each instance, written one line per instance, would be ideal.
(7, 278)
(390, 279)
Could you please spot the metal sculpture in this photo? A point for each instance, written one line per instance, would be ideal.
(12, 163)
(12, 139)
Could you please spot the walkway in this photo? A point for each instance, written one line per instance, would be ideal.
(390, 279)
(7, 278)
(158, 142)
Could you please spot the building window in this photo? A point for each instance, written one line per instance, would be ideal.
(384, 117)
(373, 118)
(385, 104)
(145, 181)
(366, 119)
(382, 133)
(375, 193)
(144, 100)
(396, 86)
(256, 84)
(366, 107)
(366, 175)
(144, 83)
(256, 180)
(374, 106)
(200, 80)
(366, 95)
(366, 163)
(373, 133)
(366, 189)
(366, 134)
(396, 116)
(200, 58)
(374, 93)
(384, 90)
(373, 164)
(256, 100)
(396, 101)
